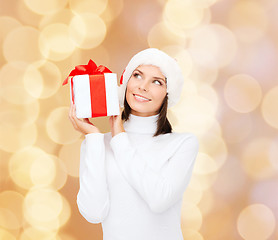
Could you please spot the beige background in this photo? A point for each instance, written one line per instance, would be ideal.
(228, 53)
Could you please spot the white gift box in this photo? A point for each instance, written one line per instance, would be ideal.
(95, 95)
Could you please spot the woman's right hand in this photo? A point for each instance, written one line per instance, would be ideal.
(82, 125)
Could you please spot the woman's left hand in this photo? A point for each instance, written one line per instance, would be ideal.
(116, 124)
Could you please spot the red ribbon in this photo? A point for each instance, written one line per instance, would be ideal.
(91, 69)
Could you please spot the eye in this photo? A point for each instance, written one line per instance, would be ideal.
(137, 75)
(157, 82)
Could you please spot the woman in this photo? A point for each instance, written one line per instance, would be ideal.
(132, 180)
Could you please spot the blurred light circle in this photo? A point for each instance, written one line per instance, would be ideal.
(194, 121)
(62, 16)
(248, 20)
(215, 129)
(232, 181)
(8, 220)
(65, 213)
(43, 80)
(161, 36)
(192, 195)
(203, 3)
(11, 209)
(5, 235)
(189, 234)
(45, 7)
(22, 44)
(269, 107)
(33, 82)
(242, 93)
(88, 6)
(59, 127)
(189, 89)
(42, 205)
(202, 182)
(7, 24)
(42, 171)
(191, 217)
(113, 10)
(31, 166)
(204, 164)
(215, 147)
(221, 221)
(24, 137)
(87, 30)
(183, 14)
(233, 122)
(68, 154)
(199, 103)
(206, 205)
(264, 192)
(183, 58)
(255, 159)
(195, 113)
(32, 233)
(256, 222)
(61, 175)
(213, 51)
(19, 115)
(208, 92)
(23, 13)
(204, 74)
(14, 91)
(273, 153)
(64, 236)
(55, 42)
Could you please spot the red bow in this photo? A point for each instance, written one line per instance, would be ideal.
(91, 68)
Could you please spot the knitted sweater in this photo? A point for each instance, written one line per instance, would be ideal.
(133, 183)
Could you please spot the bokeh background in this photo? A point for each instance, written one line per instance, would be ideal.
(228, 51)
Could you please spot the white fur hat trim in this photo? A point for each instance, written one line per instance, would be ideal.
(168, 67)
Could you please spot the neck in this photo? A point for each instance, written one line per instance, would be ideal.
(141, 125)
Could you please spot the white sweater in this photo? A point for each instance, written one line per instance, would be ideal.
(133, 183)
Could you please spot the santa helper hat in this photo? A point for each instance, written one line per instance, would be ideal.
(168, 67)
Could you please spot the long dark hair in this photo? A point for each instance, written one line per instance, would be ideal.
(163, 124)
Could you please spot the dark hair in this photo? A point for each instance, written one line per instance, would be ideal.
(163, 124)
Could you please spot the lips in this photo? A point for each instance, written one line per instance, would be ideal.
(141, 98)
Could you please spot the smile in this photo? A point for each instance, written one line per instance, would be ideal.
(141, 98)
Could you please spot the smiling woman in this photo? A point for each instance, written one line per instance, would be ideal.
(132, 179)
(146, 90)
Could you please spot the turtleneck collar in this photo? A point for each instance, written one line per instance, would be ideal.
(141, 125)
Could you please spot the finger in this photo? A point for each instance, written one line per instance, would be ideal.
(70, 113)
(111, 120)
(74, 112)
(74, 119)
(73, 123)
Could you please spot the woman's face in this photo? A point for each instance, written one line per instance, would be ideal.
(146, 90)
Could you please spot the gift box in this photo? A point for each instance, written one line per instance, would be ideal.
(93, 90)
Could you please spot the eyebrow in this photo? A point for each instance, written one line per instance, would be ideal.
(153, 77)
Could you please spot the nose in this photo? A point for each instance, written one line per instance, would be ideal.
(144, 86)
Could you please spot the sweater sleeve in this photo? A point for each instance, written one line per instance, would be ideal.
(159, 189)
(93, 197)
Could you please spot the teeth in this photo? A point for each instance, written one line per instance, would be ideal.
(141, 98)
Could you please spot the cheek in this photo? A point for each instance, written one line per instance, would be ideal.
(129, 91)
(129, 86)
(159, 94)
